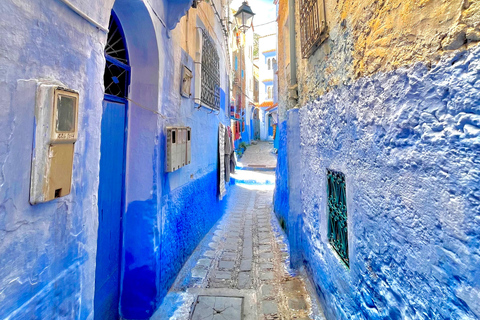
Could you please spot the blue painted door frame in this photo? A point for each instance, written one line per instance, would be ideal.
(112, 176)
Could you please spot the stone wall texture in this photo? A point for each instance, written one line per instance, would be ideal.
(366, 37)
(391, 99)
(408, 142)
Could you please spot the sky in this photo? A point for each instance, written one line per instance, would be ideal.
(264, 10)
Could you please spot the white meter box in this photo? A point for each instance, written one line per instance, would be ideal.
(56, 131)
(178, 147)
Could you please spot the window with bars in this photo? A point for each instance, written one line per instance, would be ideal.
(337, 214)
(210, 74)
(313, 29)
(117, 69)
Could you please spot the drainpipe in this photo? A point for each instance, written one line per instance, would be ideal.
(292, 90)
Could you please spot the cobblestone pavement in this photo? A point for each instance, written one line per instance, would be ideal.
(240, 270)
(259, 154)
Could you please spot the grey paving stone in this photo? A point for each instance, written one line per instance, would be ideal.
(231, 247)
(226, 264)
(229, 256)
(209, 253)
(205, 262)
(247, 243)
(246, 265)
(266, 275)
(223, 275)
(244, 280)
(269, 307)
(219, 284)
(214, 245)
(247, 252)
(264, 235)
(266, 255)
(266, 265)
(199, 272)
(217, 308)
(267, 290)
(232, 241)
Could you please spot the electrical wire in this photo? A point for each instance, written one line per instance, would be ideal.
(148, 109)
(264, 24)
(156, 14)
(84, 16)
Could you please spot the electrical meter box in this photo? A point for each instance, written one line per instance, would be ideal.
(56, 131)
(178, 147)
(188, 159)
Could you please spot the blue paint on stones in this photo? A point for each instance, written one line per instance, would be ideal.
(139, 288)
(281, 195)
(188, 214)
(408, 142)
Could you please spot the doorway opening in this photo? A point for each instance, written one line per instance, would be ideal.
(112, 174)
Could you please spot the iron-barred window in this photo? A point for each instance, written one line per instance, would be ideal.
(313, 27)
(210, 92)
(337, 214)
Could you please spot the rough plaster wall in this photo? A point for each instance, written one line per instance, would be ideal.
(366, 37)
(181, 206)
(281, 196)
(47, 251)
(283, 74)
(408, 142)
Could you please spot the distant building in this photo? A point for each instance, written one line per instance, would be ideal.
(242, 82)
(267, 62)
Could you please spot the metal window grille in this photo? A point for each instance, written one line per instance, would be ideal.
(337, 214)
(313, 26)
(210, 93)
(116, 76)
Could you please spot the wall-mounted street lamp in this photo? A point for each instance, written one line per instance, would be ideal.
(244, 17)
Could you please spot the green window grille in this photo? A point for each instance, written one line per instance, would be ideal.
(337, 214)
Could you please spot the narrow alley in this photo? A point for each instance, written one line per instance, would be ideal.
(241, 268)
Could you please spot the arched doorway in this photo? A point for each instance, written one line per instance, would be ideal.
(112, 173)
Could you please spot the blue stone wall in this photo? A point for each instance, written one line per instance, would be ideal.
(168, 213)
(281, 195)
(408, 143)
(191, 211)
(48, 251)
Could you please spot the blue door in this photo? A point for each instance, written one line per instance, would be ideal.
(110, 190)
(270, 127)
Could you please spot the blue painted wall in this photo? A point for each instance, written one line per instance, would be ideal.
(280, 197)
(167, 213)
(408, 142)
(48, 250)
